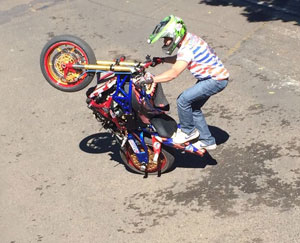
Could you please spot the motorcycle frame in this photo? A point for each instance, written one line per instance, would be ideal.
(123, 72)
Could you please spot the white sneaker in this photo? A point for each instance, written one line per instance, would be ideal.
(181, 137)
(201, 145)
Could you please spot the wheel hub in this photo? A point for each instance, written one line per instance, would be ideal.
(150, 167)
(60, 64)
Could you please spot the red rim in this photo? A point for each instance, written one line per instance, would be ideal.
(50, 72)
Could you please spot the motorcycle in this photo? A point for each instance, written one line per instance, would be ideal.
(134, 113)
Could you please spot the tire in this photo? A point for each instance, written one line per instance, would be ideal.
(165, 160)
(66, 49)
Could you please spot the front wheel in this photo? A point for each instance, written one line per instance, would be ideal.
(165, 160)
(63, 50)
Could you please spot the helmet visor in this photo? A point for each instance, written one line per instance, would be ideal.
(160, 30)
(159, 27)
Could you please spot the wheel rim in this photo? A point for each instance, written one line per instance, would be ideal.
(151, 166)
(60, 54)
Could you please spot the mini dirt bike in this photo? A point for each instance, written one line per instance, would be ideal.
(135, 114)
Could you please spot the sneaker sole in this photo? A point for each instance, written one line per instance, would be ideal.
(208, 147)
(211, 147)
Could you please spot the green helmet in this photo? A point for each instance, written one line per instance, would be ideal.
(172, 27)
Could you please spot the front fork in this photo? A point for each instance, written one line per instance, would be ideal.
(143, 155)
(156, 148)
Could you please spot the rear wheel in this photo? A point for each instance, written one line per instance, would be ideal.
(165, 160)
(63, 50)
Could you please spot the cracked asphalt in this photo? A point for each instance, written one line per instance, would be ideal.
(61, 176)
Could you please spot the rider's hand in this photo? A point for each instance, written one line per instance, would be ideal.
(146, 79)
(157, 60)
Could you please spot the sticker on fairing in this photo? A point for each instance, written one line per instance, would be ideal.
(133, 146)
(156, 145)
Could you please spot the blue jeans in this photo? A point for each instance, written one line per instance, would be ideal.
(189, 105)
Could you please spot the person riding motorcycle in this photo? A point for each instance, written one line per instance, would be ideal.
(197, 56)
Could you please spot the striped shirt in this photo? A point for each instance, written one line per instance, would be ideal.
(202, 60)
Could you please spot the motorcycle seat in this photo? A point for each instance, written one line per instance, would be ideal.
(164, 125)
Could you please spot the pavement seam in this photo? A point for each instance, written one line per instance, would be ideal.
(238, 45)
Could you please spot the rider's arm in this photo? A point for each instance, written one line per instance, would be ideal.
(172, 73)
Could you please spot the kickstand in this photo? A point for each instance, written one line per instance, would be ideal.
(146, 175)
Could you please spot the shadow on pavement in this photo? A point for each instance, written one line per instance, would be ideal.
(220, 135)
(100, 143)
(267, 10)
(187, 160)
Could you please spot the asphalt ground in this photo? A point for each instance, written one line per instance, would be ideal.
(61, 177)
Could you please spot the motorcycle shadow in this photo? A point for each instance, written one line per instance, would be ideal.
(100, 143)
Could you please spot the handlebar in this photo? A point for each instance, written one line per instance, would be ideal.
(120, 64)
(147, 64)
